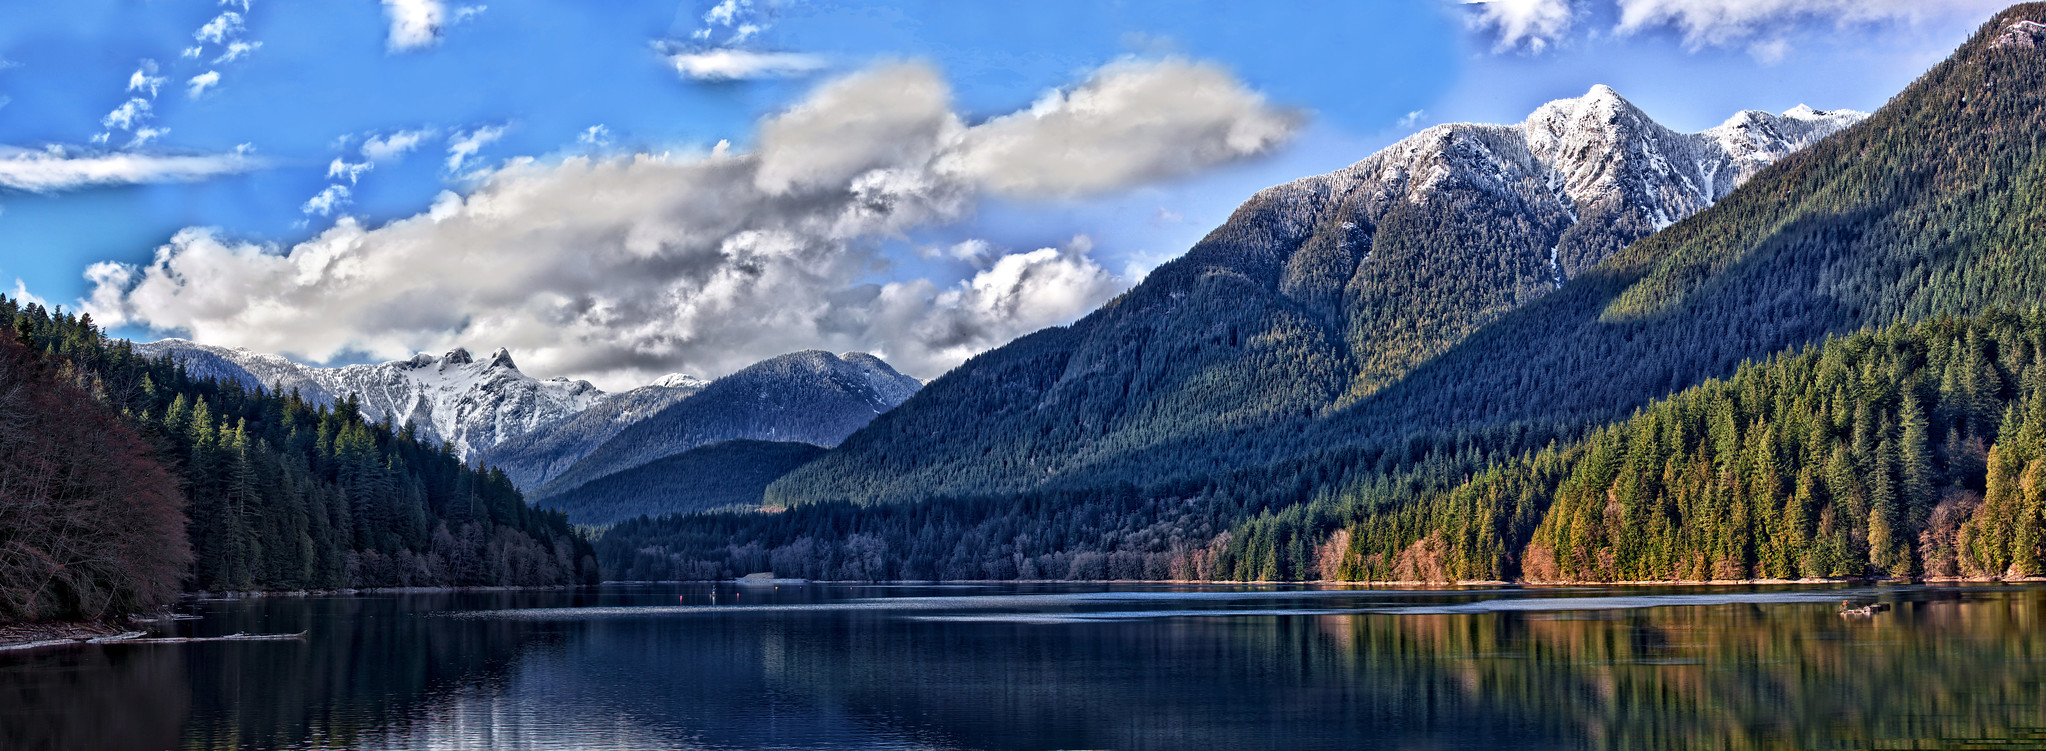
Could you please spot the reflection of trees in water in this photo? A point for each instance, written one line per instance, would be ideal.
(92, 697)
(373, 664)
(1940, 671)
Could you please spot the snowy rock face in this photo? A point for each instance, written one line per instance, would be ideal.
(1595, 160)
(2025, 34)
(473, 404)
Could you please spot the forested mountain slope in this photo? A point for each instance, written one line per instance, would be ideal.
(284, 494)
(729, 475)
(812, 397)
(1919, 450)
(1927, 217)
(1933, 206)
(1314, 295)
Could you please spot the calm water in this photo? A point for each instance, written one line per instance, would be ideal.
(1034, 667)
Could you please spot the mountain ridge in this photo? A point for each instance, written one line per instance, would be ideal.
(1314, 295)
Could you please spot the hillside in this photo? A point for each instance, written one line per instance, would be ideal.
(1930, 209)
(721, 475)
(1314, 296)
(809, 397)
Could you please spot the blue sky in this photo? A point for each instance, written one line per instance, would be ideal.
(279, 136)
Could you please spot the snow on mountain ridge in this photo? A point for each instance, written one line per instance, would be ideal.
(1594, 156)
(453, 398)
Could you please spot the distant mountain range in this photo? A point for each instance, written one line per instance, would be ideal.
(809, 397)
(1314, 295)
(473, 404)
(552, 436)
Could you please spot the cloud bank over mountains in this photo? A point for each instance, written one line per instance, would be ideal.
(619, 269)
(1760, 25)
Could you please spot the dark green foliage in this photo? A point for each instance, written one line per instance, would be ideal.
(1916, 451)
(283, 494)
(726, 474)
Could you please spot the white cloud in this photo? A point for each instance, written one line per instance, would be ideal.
(1732, 22)
(200, 83)
(419, 23)
(338, 169)
(1538, 24)
(242, 4)
(6, 64)
(193, 52)
(145, 78)
(1131, 122)
(218, 30)
(128, 115)
(386, 148)
(1412, 118)
(22, 295)
(236, 51)
(595, 135)
(726, 12)
(621, 269)
(326, 202)
(53, 170)
(463, 146)
(144, 135)
(739, 65)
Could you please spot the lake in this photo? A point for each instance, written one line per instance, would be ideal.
(696, 666)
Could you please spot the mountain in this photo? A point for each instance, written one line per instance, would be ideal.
(454, 398)
(721, 475)
(1883, 288)
(1314, 296)
(808, 397)
(535, 457)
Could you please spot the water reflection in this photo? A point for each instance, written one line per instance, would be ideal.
(1025, 667)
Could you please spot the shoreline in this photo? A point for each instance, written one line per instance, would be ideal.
(1397, 584)
(32, 636)
(204, 596)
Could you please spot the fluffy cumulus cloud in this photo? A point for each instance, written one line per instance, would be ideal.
(53, 170)
(462, 146)
(1131, 122)
(388, 147)
(623, 268)
(419, 23)
(218, 30)
(200, 83)
(327, 201)
(739, 65)
(1533, 24)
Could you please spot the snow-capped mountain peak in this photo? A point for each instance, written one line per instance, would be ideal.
(679, 380)
(1596, 158)
(452, 398)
